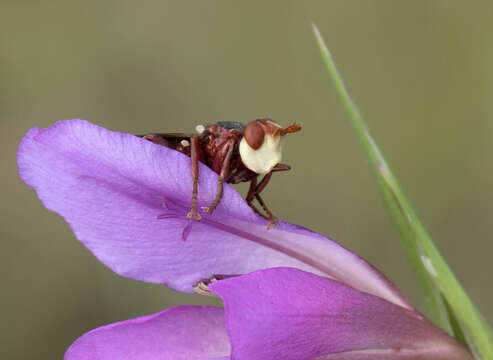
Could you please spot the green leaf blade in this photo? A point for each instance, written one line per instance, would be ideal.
(432, 272)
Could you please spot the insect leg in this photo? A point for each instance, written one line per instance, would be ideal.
(281, 167)
(222, 177)
(251, 195)
(156, 139)
(261, 186)
(270, 216)
(195, 154)
(251, 191)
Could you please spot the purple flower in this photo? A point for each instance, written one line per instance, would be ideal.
(126, 200)
(279, 313)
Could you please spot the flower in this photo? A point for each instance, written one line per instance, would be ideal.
(126, 200)
(278, 313)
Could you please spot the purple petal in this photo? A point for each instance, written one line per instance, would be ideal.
(112, 187)
(289, 314)
(185, 332)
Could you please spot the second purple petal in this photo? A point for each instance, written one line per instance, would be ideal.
(288, 314)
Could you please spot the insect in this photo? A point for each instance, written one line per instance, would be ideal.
(237, 153)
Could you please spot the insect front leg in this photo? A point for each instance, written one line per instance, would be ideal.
(263, 183)
(258, 189)
(251, 195)
(195, 155)
(225, 169)
(270, 216)
(251, 191)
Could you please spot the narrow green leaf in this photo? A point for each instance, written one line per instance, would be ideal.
(433, 297)
(457, 328)
(432, 272)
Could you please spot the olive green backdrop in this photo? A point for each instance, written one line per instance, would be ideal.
(421, 72)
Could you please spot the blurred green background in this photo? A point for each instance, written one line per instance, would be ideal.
(421, 72)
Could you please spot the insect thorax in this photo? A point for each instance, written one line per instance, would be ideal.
(232, 125)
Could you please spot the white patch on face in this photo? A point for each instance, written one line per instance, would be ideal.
(262, 160)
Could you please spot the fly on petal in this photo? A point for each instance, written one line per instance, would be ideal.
(126, 200)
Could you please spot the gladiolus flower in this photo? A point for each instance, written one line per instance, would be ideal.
(126, 200)
(278, 313)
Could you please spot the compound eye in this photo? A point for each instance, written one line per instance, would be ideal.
(254, 134)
